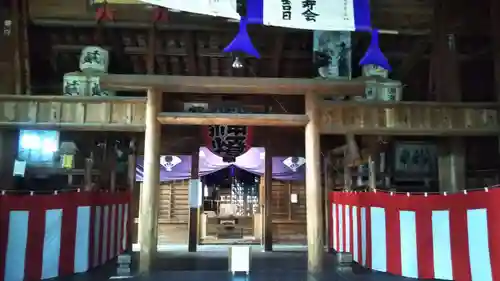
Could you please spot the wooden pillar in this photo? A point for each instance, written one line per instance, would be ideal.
(148, 213)
(112, 177)
(194, 206)
(134, 204)
(132, 163)
(327, 179)
(495, 37)
(16, 34)
(315, 243)
(25, 52)
(372, 172)
(87, 174)
(387, 169)
(446, 79)
(268, 189)
(451, 164)
(347, 171)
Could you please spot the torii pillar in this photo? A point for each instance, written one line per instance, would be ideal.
(148, 200)
(315, 215)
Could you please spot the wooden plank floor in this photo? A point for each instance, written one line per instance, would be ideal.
(212, 266)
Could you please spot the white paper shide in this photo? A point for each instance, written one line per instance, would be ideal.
(195, 187)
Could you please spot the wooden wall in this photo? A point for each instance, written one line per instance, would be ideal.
(173, 212)
(7, 49)
(289, 219)
(8, 153)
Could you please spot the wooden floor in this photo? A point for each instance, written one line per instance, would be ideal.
(172, 233)
(212, 266)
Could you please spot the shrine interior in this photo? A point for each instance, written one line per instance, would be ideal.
(54, 36)
(228, 185)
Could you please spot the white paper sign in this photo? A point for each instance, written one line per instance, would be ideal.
(314, 15)
(195, 193)
(334, 15)
(240, 259)
(216, 8)
(19, 168)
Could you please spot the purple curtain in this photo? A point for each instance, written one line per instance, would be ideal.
(179, 167)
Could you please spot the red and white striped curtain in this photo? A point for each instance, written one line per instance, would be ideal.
(449, 237)
(46, 236)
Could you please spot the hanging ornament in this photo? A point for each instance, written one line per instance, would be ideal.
(103, 12)
(160, 14)
(68, 150)
(228, 141)
(242, 42)
(374, 61)
(237, 63)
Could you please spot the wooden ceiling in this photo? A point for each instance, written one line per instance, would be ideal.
(410, 16)
(191, 45)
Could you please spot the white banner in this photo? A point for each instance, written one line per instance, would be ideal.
(332, 53)
(334, 15)
(307, 14)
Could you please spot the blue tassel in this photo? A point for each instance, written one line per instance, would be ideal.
(242, 42)
(374, 55)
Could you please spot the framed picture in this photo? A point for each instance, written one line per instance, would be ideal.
(332, 53)
(415, 158)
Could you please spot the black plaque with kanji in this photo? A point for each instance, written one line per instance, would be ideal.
(228, 142)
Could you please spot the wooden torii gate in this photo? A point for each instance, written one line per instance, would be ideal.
(159, 86)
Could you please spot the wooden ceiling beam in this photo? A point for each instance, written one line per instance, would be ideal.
(278, 52)
(47, 97)
(192, 62)
(231, 85)
(205, 119)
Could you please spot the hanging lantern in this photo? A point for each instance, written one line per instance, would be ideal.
(103, 12)
(228, 141)
(75, 84)
(160, 14)
(374, 62)
(95, 88)
(67, 151)
(242, 43)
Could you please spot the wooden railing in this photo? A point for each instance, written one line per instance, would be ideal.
(364, 118)
(73, 113)
(410, 118)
